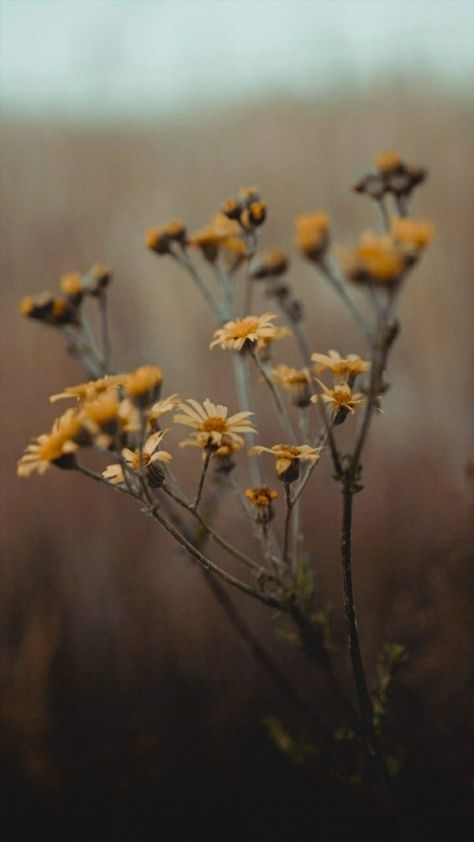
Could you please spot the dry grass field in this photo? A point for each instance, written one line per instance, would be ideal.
(119, 670)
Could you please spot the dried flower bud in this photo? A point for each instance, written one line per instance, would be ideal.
(247, 195)
(176, 230)
(371, 185)
(268, 264)
(143, 385)
(158, 240)
(71, 284)
(412, 235)
(97, 279)
(261, 498)
(255, 214)
(231, 208)
(388, 162)
(312, 234)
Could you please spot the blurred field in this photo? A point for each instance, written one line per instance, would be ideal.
(118, 667)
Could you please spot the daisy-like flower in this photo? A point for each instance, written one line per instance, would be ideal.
(312, 234)
(295, 380)
(241, 331)
(90, 390)
(150, 457)
(213, 422)
(261, 498)
(222, 455)
(161, 408)
(143, 385)
(341, 400)
(54, 448)
(344, 369)
(288, 458)
(375, 258)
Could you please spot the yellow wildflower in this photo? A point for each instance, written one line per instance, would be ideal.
(213, 423)
(71, 285)
(149, 458)
(411, 234)
(288, 457)
(341, 397)
(236, 334)
(92, 389)
(143, 385)
(312, 234)
(376, 258)
(101, 415)
(270, 263)
(56, 447)
(261, 498)
(389, 161)
(342, 368)
(295, 380)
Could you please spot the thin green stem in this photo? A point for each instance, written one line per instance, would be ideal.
(197, 499)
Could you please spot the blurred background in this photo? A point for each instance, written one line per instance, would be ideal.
(130, 704)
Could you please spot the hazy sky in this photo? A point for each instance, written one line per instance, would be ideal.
(112, 56)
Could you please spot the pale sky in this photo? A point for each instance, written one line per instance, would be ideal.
(114, 57)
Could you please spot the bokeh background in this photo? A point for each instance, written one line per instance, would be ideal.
(131, 707)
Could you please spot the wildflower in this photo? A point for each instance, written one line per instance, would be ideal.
(344, 369)
(270, 263)
(231, 208)
(148, 458)
(102, 416)
(54, 448)
(97, 279)
(288, 457)
(411, 234)
(376, 258)
(213, 421)
(221, 454)
(372, 185)
(261, 498)
(159, 239)
(248, 195)
(341, 400)
(312, 234)
(71, 285)
(389, 161)
(92, 389)
(221, 233)
(254, 215)
(236, 334)
(143, 385)
(399, 178)
(296, 380)
(161, 408)
(48, 308)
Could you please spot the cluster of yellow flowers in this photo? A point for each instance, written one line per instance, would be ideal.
(120, 414)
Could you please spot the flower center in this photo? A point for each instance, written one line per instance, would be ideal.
(214, 424)
(244, 327)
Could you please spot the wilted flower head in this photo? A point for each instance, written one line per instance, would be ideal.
(220, 233)
(71, 284)
(412, 235)
(160, 238)
(312, 234)
(101, 415)
(149, 458)
(261, 498)
(375, 258)
(342, 368)
(97, 279)
(212, 423)
(270, 263)
(54, 448)
(48, 308)
(143, 385)
(295, 380)
(92, 389)
(288, 457)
